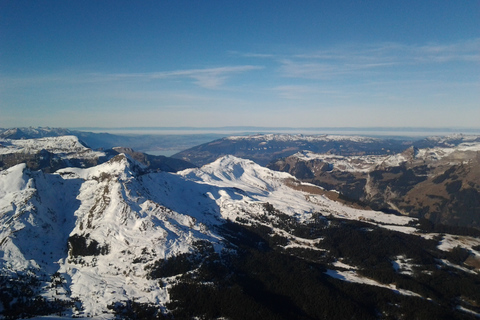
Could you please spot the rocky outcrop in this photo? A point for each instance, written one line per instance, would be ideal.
(440, 184)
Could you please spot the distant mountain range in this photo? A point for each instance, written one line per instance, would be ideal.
(111, 234)
(52, 153)
(145, 142)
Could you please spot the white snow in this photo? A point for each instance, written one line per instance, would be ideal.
(343, 163)
(353, 276)
(68, 146)
(476, 314)
(456, 266)
(449, 242)
(403, 265)
(340, 264)
(389, 221)
(297, 137)
(104, 204)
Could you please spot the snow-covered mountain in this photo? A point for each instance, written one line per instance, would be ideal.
(117, 238)
(89, 225)
(68, 146)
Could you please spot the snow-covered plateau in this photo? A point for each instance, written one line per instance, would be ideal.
(69, 146)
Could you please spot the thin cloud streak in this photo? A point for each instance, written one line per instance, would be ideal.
(356, 59)
(252, 55)
(210, 78)
(468, 50)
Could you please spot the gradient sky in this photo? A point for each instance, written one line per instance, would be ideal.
(240, 63)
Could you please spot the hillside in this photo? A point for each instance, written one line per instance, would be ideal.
(231, 239)
(439, 183)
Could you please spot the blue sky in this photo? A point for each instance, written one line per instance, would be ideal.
(240, 63)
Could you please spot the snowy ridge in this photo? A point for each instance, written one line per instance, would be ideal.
(350, 163)
(301, 137)
(31, 132)
(69, 146)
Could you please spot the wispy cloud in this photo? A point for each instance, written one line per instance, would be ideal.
(325, 70)
(467, 51)
(210, 78)
(252, 55)
(294, 92)
(364, 59)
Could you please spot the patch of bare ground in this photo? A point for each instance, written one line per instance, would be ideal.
(473, 261)
(332, 195)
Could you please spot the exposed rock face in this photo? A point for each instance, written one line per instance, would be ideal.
(440, 184)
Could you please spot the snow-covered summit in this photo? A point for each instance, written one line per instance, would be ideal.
(121, 166)
(228, 169)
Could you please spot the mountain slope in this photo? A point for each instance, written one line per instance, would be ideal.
(90, 226)
(231, 239)
(440, 184)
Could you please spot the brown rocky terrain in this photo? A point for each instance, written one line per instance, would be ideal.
(439, 184)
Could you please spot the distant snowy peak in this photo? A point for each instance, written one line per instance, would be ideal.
(301, 137)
